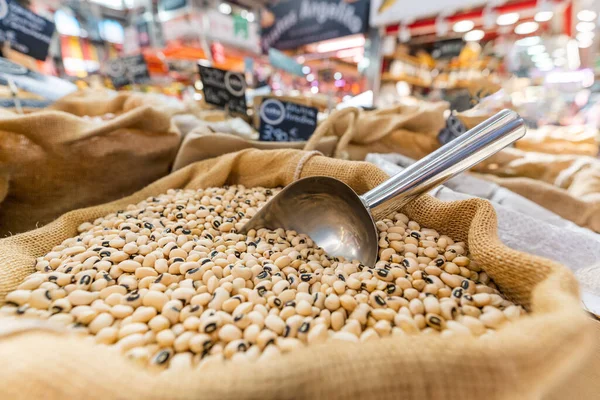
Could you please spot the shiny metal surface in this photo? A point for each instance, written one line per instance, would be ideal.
(328, 211)
(339, 220)
(462, 153)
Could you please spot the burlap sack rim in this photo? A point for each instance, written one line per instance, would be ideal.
(526, 348)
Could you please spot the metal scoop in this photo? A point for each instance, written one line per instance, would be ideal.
(340, 221)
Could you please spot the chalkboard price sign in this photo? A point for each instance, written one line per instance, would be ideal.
(224, 89)
(128, 70)
(283, 121)
(27, 32)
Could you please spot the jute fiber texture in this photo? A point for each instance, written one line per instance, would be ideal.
(583, 212)
(201, 144)
(579, 140)
(52, 162)
(568, 185)
(91, 102)
(409, 130)
(527, 359)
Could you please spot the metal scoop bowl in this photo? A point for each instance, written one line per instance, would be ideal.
(340, 221)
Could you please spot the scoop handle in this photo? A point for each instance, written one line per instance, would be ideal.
(462, 153)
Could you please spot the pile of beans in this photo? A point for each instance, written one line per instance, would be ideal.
(169, 282)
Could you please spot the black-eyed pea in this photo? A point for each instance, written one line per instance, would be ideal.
(19, 297)
(471, 311)
(481, 299)
(121, 311)
(101, 321)
(159, 323)
(143, 314)
(435, 321)
(338, 319)
(420, 321)
(368, 335)
(84, 314)
(512, 312)
(161, 358)
(410, 293)
(81, 297)
(461, 261)
(107, 335)
(476, 327)
(104, 293)
(396, 302)
(416, 307)
(383, 314)
(182, 341)
(492, 318)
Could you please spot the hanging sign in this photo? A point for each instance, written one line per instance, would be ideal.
(283, 121)
(27, 32)
(224, 89)
(279, 60)
(293, 23)
(128, 70)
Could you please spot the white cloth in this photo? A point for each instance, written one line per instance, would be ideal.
(523, 225)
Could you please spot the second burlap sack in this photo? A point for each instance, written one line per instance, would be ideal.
(411, 130)
(568, 185)
(52, 161)
(535, 357)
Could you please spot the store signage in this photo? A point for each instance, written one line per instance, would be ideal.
(283, 121)
(27, 32)
(453, 129)
(279, 60)
(49, 87)
(293, 23)
(224, 89)
(128, 70)
(388, 12)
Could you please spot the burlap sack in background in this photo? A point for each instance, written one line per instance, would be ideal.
(201, 144)
(410, 130)
(534, 357)
(584, 212)
(578, 175)
(580, 140)
(52, 162)
(92, 103)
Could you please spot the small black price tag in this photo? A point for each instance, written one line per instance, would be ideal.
(224, 89)
(128, 70)
(453, 129)
(283, 121)
(27, 32)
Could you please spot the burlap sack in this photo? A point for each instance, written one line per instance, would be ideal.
(584, 211)
(52, 162)
(532, 358)
(409, 130)
(91, 102)
(201, 144)
(550, 139)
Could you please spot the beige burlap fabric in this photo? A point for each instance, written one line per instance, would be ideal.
(528, 359)
(568, 185)
(52, 161)
(409, 130)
